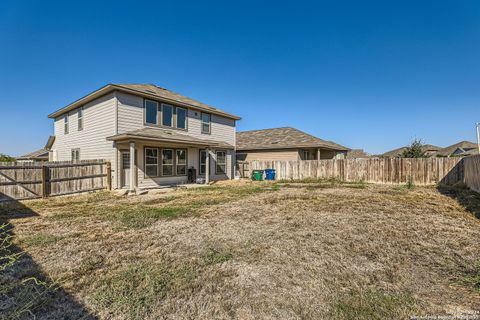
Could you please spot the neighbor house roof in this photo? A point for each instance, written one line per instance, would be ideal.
(50, 141)
(146, 90)
(398, 152)
(465, 146)
(167, 136)
(282, 138)
(357, 153)
(41, 154)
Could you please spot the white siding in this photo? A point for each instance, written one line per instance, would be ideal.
(98, 124)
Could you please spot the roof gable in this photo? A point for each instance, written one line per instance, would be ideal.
(454, 148)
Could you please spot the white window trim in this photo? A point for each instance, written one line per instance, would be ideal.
(157, 117)
(80, 119)
(200, 162)
(176, 118)
(172, 165)
(177, 164)
(75, 154)
(65, 124)
(217, 163)
(150, 165)
(306, 155)
(172, 118)
(209, 123)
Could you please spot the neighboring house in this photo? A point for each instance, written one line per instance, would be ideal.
(356, 154)
(36, 156)
(462, 148)
(285, 144)
(430, 150)
(151, 135)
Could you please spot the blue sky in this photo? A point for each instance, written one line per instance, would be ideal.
(366, 74)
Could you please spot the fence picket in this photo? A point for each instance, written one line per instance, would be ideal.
(422, 171)
(34, 180)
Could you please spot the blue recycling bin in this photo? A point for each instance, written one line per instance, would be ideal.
(269, 174)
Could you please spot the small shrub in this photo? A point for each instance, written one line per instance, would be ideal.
(415, 150)
(6, 158)
(410, 185)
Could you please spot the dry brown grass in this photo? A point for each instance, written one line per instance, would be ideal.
(247, 251)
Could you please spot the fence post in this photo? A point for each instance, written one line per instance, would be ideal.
(44, 181)
(109, 175)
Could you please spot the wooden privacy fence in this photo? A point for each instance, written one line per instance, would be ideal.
(32, 180)
(421, 171)
(471, 168)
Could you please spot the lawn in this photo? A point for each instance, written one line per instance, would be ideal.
(244, 250)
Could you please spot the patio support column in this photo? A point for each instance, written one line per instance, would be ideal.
(133, 166)
(318, 154)
(207, 166)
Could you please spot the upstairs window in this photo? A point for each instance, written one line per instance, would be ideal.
(151, 109)
(206, 125)
(167, 115)
(80, 118)
(65, 124)
(181, 118)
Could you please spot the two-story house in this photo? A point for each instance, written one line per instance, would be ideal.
(151, 135)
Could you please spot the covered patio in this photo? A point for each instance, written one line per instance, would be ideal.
(154, 157)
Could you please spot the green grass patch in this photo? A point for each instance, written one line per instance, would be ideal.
(134, 290)
(41, 240)
(471, 276)
(140, 217)
(214, 256)
(372, 305)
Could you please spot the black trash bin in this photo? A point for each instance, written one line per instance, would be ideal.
(192, 175)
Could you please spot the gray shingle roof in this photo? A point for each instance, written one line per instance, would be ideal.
(465, 145)
(168, 136)
(282, 138)
(170, 95)
(147, 90)
(428, 148)
(38, 154)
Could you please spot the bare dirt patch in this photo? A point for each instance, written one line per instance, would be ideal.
(247, 250)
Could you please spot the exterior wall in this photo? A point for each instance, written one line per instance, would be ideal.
(98, 123)
(271, 155)
(332, 154)
(193, 160)
(131, 117)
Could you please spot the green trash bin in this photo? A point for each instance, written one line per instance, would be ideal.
(257, 175)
